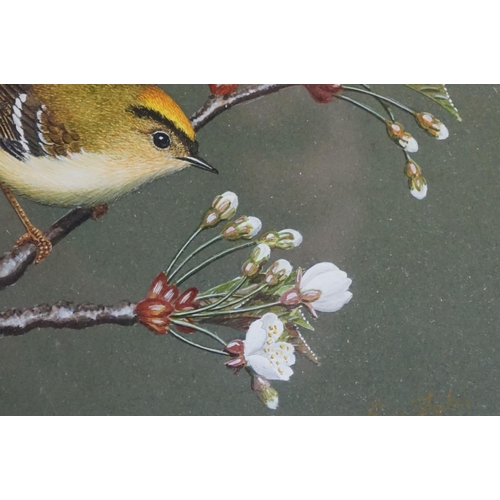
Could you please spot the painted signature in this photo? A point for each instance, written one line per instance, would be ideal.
(428, 405)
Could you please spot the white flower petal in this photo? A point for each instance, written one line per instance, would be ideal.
(232, 198)
(333, 303)
(255, 339)
(255, 226)
(261, 253)
(263, 366)
(410, 145)
(329, 283)
(272, 403)
(443, 132)
(282, 352)
(273, 327)
(335, 287)
(315, 271)
(296, 238)
(419, 195)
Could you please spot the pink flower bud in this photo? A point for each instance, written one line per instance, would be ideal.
(291, 298)
(259, 383)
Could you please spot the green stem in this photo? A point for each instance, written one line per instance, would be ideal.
(382, 103)
(214, 304)
(196, 252)
(242, 299)
(178, 254)
(237, 311)
(362, 106)
(209, 296)
(212, 259)
(199, 329)
(382, 98)
(202, 347)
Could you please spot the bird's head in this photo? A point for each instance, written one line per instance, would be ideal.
(159, 132)
(137, 128)
(162, 131)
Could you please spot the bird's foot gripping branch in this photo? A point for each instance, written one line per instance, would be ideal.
(269, 301)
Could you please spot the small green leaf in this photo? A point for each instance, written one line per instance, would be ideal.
(284, 287)
(297, 318)
(293, 335)
(438, 93)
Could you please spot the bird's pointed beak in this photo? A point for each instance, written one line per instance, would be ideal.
(199, 163)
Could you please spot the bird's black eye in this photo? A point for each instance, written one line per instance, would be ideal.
(161, 140)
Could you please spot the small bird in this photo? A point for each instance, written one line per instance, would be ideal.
(88, 145)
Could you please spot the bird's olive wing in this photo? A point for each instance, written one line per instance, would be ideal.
(28, 128)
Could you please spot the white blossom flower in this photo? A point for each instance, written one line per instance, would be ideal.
(327, 286)
(265, 353)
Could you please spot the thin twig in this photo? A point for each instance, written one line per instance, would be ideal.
(215, 105)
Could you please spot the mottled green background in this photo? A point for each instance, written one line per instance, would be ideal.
(424, 319)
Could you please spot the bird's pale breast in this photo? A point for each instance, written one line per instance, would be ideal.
(84, 179)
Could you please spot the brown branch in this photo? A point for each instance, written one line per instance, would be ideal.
(15, 263)
(66, 315)
(81, 316)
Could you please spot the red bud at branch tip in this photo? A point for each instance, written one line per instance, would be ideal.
(222, 89)
(323, 93)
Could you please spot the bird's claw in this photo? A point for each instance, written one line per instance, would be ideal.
(99, 211)
(35, 237)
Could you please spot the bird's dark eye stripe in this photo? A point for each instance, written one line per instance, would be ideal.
(161, 140)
